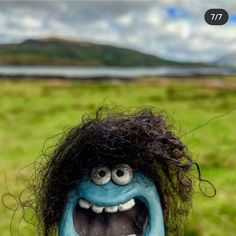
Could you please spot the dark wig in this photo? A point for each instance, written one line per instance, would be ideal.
(141, 139)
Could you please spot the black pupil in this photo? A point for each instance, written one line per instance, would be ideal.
(119, 173)
(102, 173)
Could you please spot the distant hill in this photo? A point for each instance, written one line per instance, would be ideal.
(227, 60)
(53, 51)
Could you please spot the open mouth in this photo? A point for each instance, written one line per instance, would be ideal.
(127, 219)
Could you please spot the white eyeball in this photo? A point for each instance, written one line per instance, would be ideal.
(122, 174)
(101, 175)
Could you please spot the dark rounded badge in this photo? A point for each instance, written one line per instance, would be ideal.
(216, 16)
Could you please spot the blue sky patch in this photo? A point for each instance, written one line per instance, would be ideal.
(232, 19)
(176, 12)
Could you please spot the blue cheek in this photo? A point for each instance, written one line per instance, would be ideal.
(110, 194)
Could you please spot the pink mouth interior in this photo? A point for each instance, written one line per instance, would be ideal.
(133, 221)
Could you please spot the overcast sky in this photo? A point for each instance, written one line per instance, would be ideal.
(170, 29)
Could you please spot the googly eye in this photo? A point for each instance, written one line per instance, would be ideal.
(101, 175)
(122, 174)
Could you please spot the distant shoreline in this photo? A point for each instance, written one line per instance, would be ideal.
(94, 78)
(111, 78)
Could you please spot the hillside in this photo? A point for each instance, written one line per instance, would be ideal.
(55, 51)
(227, 60)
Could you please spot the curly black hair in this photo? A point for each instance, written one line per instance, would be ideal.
(142, 139)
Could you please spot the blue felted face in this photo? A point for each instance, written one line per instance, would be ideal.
(117, 202)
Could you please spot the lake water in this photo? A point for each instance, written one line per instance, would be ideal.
(88, 72)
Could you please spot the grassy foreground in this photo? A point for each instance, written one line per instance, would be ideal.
(32, 111)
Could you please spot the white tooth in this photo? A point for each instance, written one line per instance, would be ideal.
(97, 209)
(126, 206)
(84, 204)
(129, 235)
(111, 209)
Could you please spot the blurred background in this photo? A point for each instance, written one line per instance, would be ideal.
(62, 59)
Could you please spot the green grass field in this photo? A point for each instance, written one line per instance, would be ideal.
(32, 111)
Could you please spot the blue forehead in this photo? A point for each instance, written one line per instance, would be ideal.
(140, 187)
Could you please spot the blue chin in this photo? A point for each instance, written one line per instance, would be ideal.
(121, 206)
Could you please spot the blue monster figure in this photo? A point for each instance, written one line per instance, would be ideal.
(113, 202)
(116, 174)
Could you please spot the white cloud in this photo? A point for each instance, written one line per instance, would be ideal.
(30, 23)
(124, 19)
(101, 25)
(154, 17)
